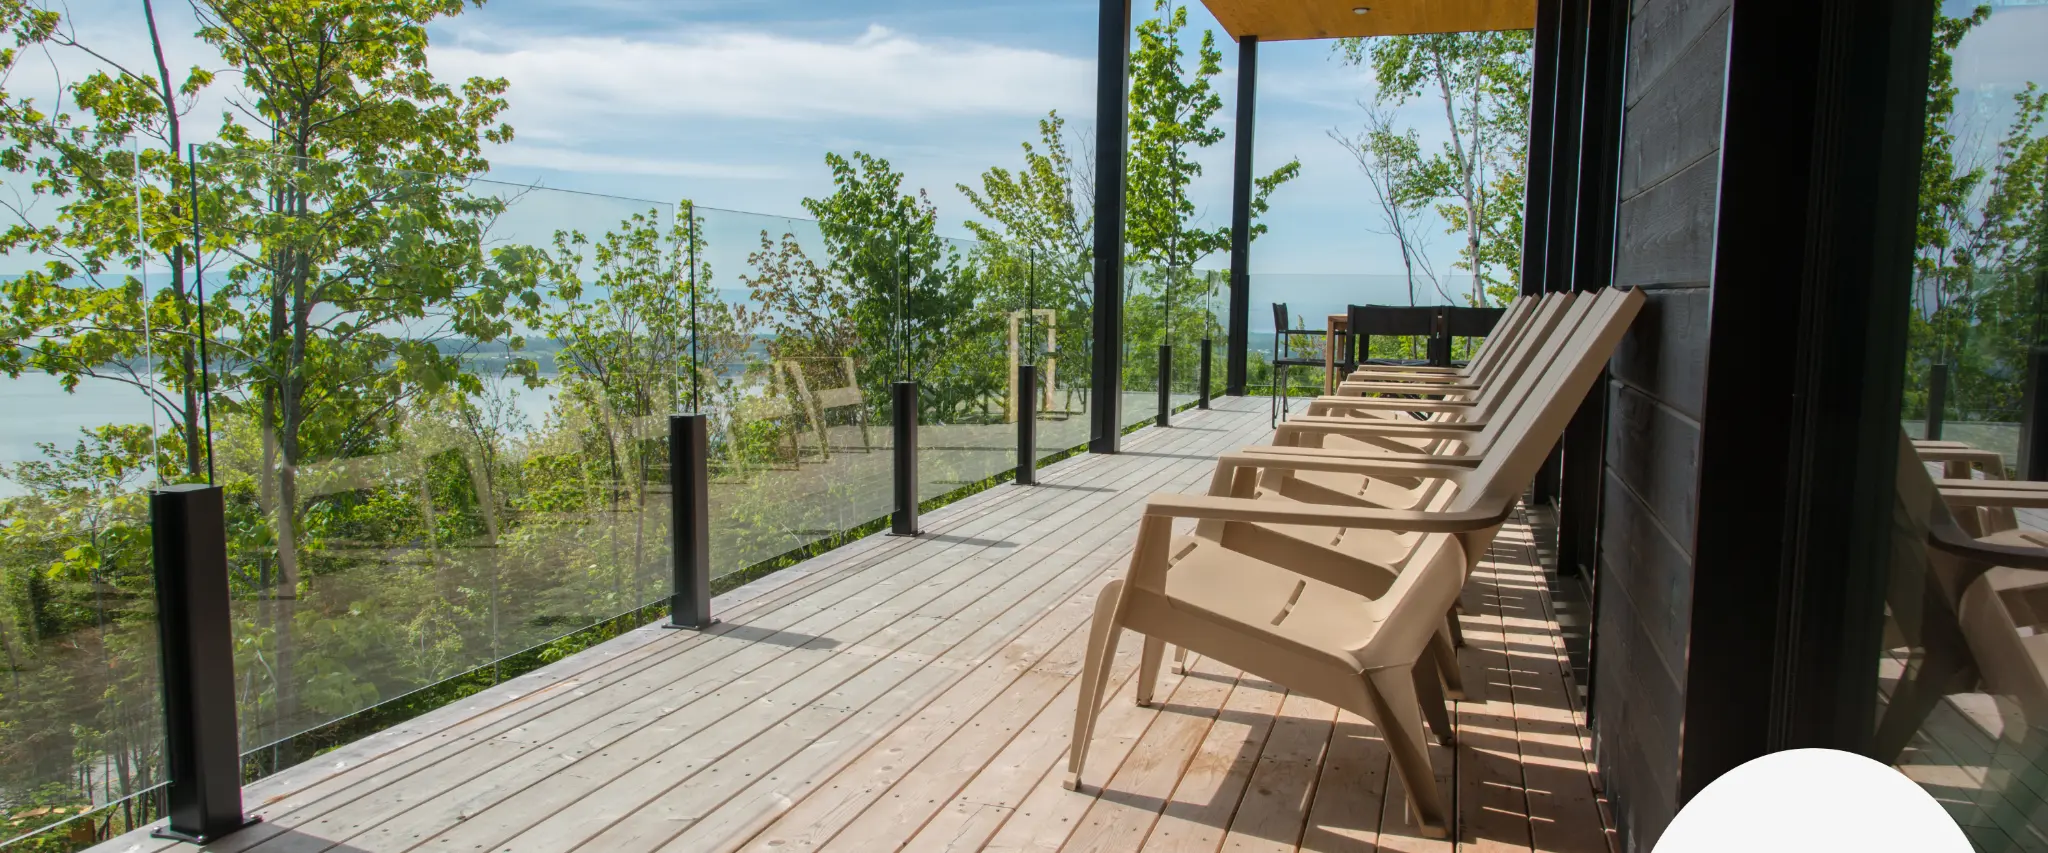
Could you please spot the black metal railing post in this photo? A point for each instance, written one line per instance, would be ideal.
(202, 741)
(2034, 417)
(689, 452)
(1027, 424)
(1202, 402)
(1165, 385)
(1937, 399)
(903, 522)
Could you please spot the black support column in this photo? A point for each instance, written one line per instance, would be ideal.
(1799, 440)
(202, 758)
(1593, 268)
(1113, 53)
(1568, 101)
(1235, 360)
(1542, 121)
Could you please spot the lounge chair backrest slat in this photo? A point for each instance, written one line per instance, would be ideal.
(1503, 335)
(1519, 448)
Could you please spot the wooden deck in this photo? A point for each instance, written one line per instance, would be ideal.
(916, 693)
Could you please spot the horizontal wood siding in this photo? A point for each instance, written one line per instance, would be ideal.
(1670, 178)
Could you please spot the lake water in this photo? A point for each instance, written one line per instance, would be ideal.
(35, 409)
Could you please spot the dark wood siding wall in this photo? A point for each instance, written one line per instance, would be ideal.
(1670, 177)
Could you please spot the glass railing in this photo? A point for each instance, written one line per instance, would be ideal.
(800, 360)
(962, 362)
(93, 358)
(439, 412)
(439, 409)
(1959, 696)
(1057, 334)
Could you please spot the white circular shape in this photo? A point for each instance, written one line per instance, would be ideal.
(1360, 10)
(1813, 799)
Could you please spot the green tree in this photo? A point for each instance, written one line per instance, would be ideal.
(1478, 176)
(87, 161)
(1949, 234)
(1391, 159)
(909, 293)
(1173, 106)
(1036, 243)
(1172, 118)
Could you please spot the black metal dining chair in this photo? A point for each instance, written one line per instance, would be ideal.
(1282, 344)
(1464, 322)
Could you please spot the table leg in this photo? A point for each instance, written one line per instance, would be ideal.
(1330, 357)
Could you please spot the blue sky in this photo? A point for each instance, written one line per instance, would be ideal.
(734, 102)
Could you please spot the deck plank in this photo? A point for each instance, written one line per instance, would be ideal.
(1129, 803)
(661, 757)
(1214, 786)
(1272, 815)
(1351, 794)
(1492, 807)
(1556, 760)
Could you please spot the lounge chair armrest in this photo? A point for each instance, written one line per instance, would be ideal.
(1947, 483)
(1254, 511)
(1385, 404)
(1959, 454)
(1298, 459)
(1411, 428)
(1951, 539)
(1422, 369)
(1995, 497)
(1364, 375)
(1391, 387)
(1420, 429)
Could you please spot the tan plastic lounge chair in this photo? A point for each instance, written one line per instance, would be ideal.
(1972, 606)
(1471, 427)
(822, 401)
(1308, 619)
(1546, 326)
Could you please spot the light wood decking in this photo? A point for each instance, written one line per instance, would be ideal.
(918, 693)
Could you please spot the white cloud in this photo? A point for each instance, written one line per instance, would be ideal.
(880, 74)
(570, 160)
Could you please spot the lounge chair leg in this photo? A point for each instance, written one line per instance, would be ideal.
(1456, 630)
(1102, 637)
(1392, 692)
(1148, 669)
(1180, 660)
(1429, 693)
(1446, 660)
(1944, 668)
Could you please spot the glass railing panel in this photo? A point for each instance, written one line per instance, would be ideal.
(1189, 325)
(1145, 326)
(1060, 335)
(967, 333)
(1215, 307)
(439, 412)
(801, 350)
(92, 370)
